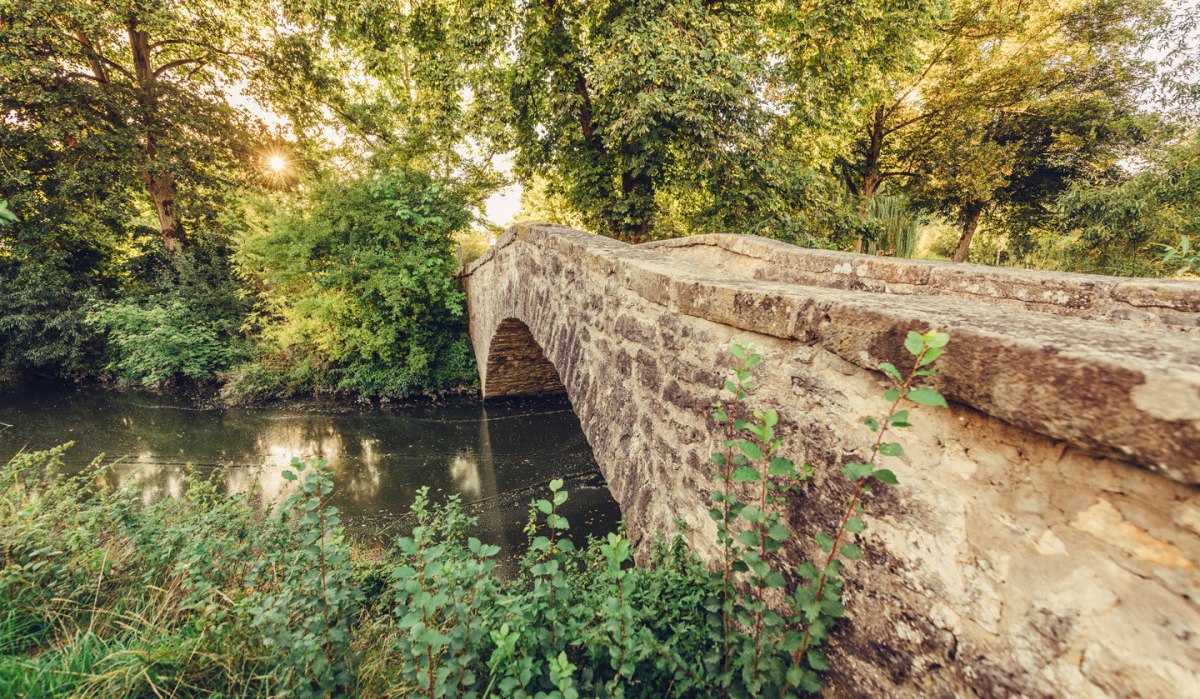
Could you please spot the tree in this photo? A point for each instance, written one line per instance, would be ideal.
(1121, 223)
(607, 99)
(1010, 102)
(357, 288)
(407, 85)
(649, 108)
(133, 92)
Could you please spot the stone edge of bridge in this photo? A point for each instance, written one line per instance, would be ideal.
(1174, 303)
(1091, 382)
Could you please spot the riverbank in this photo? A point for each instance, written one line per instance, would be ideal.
(493, 456)
(211, 594)
(212, 395)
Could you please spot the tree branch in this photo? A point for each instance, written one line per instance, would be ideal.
(203, 45)
(175, 64)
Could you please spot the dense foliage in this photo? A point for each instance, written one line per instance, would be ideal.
(357, 290)
(140, 135)
(101, 595)
(1120, 225)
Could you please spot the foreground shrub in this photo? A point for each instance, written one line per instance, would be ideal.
(212, 594)
(185, 327)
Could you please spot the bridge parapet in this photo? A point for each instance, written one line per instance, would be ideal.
(1052, 509)
(1172, 304)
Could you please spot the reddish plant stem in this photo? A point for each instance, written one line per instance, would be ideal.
(762, 556)
(621, 657)
(324, 593)
(424, 618)
(462, 673)
(731, 420)
(858, 488)
(553, 510)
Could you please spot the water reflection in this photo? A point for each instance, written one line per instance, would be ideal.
(496, 458)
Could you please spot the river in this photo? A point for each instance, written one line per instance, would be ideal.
(497, 457)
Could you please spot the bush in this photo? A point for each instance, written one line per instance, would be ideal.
(154, 344)
(358, 286)
(187, 326)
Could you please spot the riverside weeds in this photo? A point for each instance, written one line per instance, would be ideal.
(101, 596)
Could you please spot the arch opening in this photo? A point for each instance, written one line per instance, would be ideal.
(517, 366)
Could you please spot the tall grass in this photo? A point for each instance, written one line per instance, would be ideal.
(210, 594)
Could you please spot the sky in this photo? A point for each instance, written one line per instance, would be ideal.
(501, 208)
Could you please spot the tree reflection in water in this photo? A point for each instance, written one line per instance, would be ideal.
(496, 458)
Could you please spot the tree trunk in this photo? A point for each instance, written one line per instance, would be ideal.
(160, 183)
(638, 190)
(872, 176)
(971, 214)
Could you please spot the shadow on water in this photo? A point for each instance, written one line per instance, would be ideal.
(496, 457)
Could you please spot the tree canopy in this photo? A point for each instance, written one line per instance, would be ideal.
(156, 154)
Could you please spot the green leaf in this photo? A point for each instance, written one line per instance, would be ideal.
(817, 660)
(930, 356)
(289, 475)
(914, 343)
(891, 395)
(750, 449)
(856, 471)
(851, 552)
(926, 396)
(855, 525)
(886, 476)
(780, 466)
(718, 458)
(824, 541)
(891, 370)
(936, 339)
(744, 474)
(891, 449)
(748, 538)
(871, 423)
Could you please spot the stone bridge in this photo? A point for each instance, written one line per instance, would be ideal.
(1045, 535)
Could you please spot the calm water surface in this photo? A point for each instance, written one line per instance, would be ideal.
(497, 457)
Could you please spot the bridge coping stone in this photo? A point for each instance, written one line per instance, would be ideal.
(1087, 380)
(1171, 303)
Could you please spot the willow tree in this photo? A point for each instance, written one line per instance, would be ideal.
(133, 92)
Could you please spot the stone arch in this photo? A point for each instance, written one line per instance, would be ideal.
(517, 365)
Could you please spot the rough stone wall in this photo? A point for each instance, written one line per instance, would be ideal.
(1045, 535)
